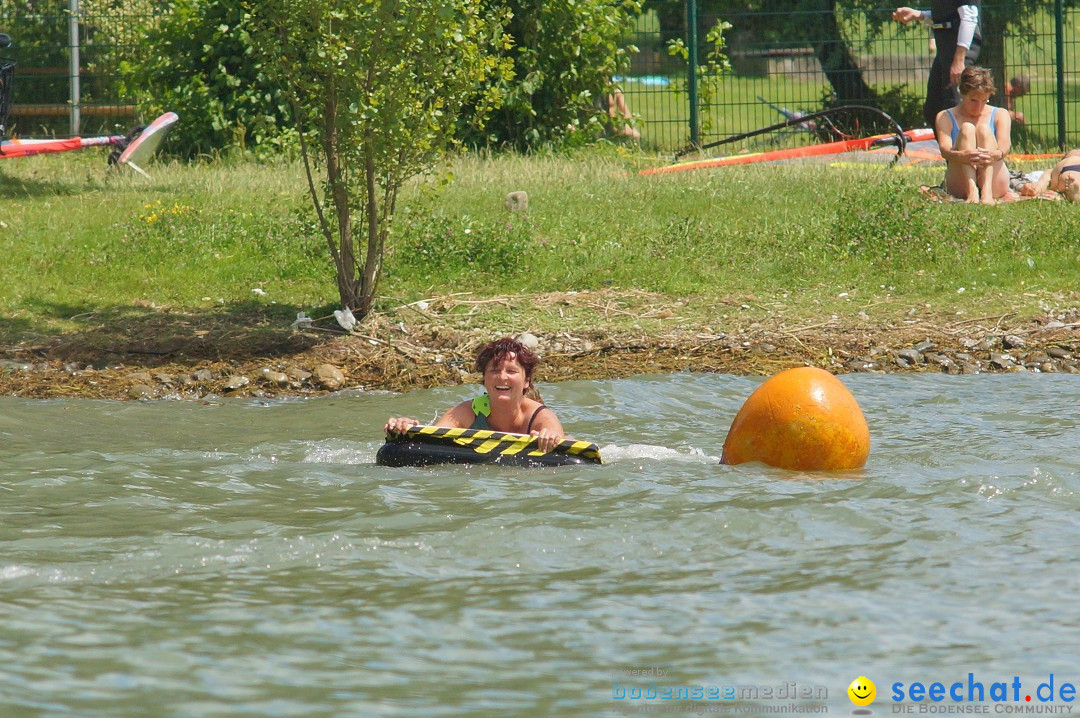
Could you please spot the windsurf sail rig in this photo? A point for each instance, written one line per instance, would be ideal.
(25, 148)
(791, 115)
(897, 139)
(133, 149)
(142, 143)
(792, 153)
(905, 148)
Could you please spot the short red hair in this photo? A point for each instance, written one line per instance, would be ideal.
(507, 348)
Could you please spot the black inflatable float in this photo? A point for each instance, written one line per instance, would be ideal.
(426, 445)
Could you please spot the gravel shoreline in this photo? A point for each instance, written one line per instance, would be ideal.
(400, 358)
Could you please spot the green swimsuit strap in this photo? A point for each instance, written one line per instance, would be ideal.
(481, 405)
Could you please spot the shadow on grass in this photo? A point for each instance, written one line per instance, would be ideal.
(12, 187)
(153, 335)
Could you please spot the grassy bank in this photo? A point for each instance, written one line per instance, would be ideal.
(82, 247)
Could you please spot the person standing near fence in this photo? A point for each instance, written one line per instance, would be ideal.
(958, 37)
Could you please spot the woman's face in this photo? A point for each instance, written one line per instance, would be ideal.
(505, 379)
(974, 102)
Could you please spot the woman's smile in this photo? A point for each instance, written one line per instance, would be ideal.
(505, 379)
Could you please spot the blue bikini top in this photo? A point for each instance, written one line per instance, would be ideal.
(956, 127)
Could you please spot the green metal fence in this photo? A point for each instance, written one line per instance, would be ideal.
(72, 59)
(73, 56)
(777, 71)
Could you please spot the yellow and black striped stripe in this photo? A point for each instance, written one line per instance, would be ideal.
(487, 443)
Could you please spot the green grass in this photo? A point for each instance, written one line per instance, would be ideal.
(593, 222)
(77, 238)
(79, 243)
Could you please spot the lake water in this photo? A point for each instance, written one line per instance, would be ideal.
(246, 558)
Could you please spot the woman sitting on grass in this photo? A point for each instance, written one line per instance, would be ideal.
(1063, 178)
(511, 403)
(974, 138)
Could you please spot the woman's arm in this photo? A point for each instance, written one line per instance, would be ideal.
(942, 127)
(548, 430)
(398, 424)
(1003, 133)
(459, 417)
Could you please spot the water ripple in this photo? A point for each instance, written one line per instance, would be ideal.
(248, 557)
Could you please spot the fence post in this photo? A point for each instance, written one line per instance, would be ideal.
(1059, 43)
(73, 53)
(691, 79)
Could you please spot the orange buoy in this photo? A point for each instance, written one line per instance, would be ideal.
(801, 418)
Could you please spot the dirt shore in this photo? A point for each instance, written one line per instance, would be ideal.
(173, 355)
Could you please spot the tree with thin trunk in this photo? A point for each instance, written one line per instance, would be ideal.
(376, 88)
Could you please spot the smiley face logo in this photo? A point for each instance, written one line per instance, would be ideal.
(862, 691)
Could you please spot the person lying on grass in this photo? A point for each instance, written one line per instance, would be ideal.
(974, 138)
(511, 404)
(1063, 178)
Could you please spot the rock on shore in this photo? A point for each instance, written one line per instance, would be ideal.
(434, 359)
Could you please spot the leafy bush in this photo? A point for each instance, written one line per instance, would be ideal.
(110, 30)
(716, 64)
(38, 35)
(200, 64)
(565, 55)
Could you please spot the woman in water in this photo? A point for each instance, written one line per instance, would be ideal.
(974, 138)
(511, 403)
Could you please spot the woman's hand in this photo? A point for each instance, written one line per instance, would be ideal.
(906, 14)
(546, 439)
(977, 157)
(398, 425)
(989, 157)
(956, 69)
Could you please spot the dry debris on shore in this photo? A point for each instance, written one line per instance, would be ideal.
(385, 352)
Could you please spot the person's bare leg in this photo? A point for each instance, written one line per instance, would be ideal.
(993, 180)
(960, 178)
(620, 105)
